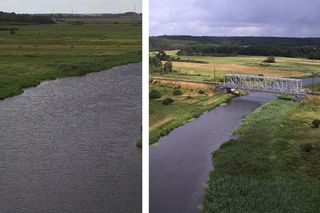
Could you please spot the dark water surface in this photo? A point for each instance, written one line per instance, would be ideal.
(69, 145)
(180, 163)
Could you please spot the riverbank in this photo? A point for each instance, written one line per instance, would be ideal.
(190, 104)
(37, 53)
(315, 87)
(274, 164)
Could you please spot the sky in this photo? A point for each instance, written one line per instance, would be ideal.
(67, 6)
(289, 18)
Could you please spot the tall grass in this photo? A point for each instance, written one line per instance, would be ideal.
(267, 168)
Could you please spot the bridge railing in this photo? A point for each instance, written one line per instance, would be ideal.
(264, 84)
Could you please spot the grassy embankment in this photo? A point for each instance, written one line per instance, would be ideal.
(189, 105)
(285, 67)
(274, 164)
(69, 48)
(315, 87)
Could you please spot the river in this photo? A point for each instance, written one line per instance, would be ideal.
(180, 163)
(68, 145)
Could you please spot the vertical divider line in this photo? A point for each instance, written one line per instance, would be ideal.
(145, 106)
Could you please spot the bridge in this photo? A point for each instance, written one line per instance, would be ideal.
(264, 84)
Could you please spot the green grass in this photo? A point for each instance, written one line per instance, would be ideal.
(316, 87)
(267, 168)
(285, 67)
(283, 63)
(43, 52)
(189, 105)
(191, 74)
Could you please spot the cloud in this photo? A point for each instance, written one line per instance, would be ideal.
(235, 17)
(66, 6)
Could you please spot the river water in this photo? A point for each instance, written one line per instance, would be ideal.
(180, 163)
(68, 145)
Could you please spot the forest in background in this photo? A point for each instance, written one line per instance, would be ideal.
(232, 46)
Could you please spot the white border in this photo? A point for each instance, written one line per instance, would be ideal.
(145, 106)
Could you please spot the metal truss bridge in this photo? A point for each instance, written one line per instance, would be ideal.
(264, 84)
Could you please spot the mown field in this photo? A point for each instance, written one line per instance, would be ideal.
(187, 106)
(250, 65)
(69, 48)
(274, 164)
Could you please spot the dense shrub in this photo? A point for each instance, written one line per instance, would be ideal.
(177, 92)
(270, 59)
(201, 92)
(167, 101)
(316, 123)
(154, 94)
(287, 97)
(307, 147)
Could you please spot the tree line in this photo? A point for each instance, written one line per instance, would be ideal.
(172, 42)
(236, 45)
(13, 18)
(256, 50)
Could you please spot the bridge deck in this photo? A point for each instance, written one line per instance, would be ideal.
(264, 84)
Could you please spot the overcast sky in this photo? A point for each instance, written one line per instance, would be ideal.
(66, 6)
(293, 18)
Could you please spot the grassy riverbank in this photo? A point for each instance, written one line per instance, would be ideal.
(274, 164)
(69, 48)
(316, 87)
(189, 105)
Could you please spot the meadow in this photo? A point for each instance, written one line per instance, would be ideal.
(70, 47)
(187, 106)
(213, 67)
(273, 165)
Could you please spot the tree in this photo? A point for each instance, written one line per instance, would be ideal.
(162, 56)
(155, 61)
(167, 67)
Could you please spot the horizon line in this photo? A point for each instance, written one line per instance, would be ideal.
(262, 36)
